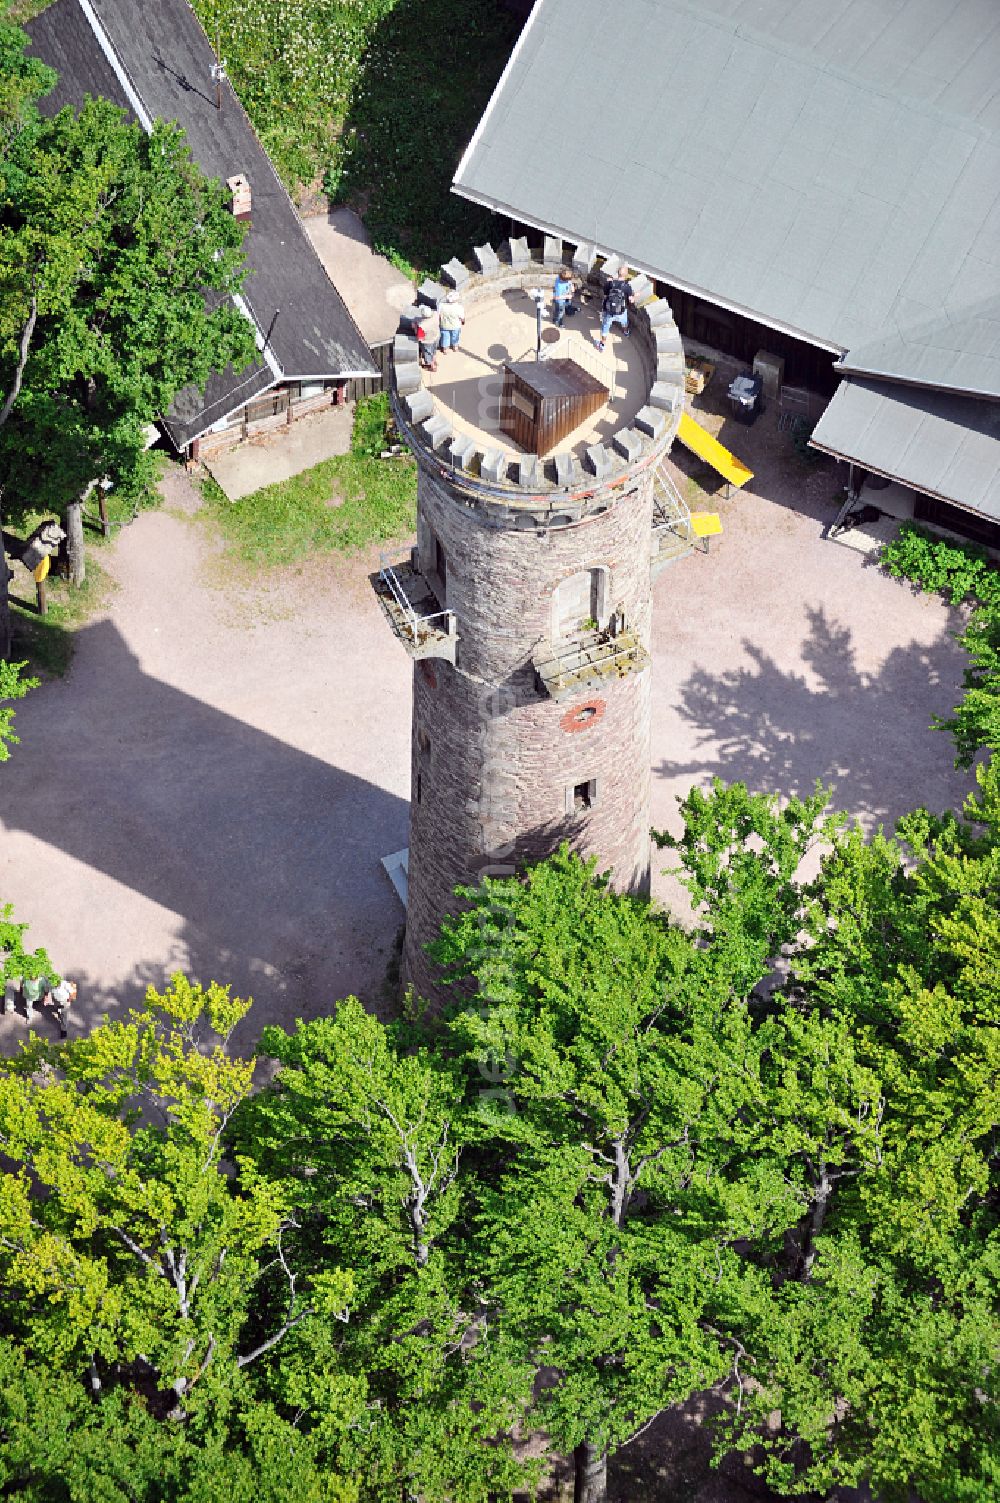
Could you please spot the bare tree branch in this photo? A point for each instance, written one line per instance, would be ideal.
(22, 360)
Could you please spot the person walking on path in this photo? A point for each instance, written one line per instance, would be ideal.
(34, 990)
(63, 995)
(428, 332)
(617, 296)
(452, 319)
(562, 296)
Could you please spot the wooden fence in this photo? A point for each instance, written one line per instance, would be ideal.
(366, 386)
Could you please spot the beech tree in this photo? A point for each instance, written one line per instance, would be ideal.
(608, 1237)
(16, 960)
(13, 686)
(117, 258)
(781, 1191)
(368, 1123)
(881, 1343)
(131, 1262)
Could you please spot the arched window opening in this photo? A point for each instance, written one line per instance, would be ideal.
(580, 603)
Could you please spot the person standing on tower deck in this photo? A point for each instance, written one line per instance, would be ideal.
(452, 319)
(617, 296)
(562, 296)
(428, 331)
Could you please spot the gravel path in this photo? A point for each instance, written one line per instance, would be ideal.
(212, 785)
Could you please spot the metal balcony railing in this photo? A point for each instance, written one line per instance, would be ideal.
(570, 664)
(405, 595)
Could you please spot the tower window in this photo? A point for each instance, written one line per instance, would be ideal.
(439, 564)
(581, 796)
(420, 786)
(580, 602)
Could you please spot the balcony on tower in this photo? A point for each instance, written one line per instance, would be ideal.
(413, 610)
(589, 658)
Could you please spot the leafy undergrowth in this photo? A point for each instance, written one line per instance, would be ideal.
(427, 77)
(943, 565)
(961, 572)
(387, 94)
(339, 506)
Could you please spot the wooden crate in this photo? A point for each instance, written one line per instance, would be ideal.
(544, 400)
(697, 374)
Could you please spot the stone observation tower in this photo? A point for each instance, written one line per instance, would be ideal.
(526, 603)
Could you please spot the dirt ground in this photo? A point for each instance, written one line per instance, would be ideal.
(214, 782)
(782, 658)
(212, 785)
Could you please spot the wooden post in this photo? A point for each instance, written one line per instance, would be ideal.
(102, 507)
(41, 577)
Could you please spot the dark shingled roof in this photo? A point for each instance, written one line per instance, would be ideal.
(155, 61)
(938, 443)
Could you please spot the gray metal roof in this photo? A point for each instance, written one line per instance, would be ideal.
(944, 445)
(831, 167)
(155, 61)
(958, 351)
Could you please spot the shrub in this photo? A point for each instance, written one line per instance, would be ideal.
(959, 571)
(376, 97)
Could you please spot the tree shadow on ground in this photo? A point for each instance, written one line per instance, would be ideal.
(866, 733)
(270, 856)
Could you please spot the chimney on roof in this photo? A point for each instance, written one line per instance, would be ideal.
(239, 187)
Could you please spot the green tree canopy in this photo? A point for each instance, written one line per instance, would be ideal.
(780, 1183)
(369, 1125)
(117, 258)
(138, 1266)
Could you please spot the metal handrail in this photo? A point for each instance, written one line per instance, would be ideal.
(392, 582)
(682, 519)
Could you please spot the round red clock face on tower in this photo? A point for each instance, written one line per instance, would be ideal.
(583, 715)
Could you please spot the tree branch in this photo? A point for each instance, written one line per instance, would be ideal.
(135, 1248)
(22, 360)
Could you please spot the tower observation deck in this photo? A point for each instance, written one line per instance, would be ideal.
(526, 603)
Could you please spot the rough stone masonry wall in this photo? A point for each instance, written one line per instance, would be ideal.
(493, 755)
(492, 778)
(494, 758)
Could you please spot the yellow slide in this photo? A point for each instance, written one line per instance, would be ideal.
(696, 438)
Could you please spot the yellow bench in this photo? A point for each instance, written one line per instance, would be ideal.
(706, 525)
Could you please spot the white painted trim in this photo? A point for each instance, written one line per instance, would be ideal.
(269, 357)
(659, 276)
(104, 42)
(910, 485)
(211, 427)
(497, 91)
(914, 383)
(333, 376)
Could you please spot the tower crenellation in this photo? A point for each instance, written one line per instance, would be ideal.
(526, 603)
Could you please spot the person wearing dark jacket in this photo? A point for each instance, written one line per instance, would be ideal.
(618, 296)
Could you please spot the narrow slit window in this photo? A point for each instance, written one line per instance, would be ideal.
(581, 796)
